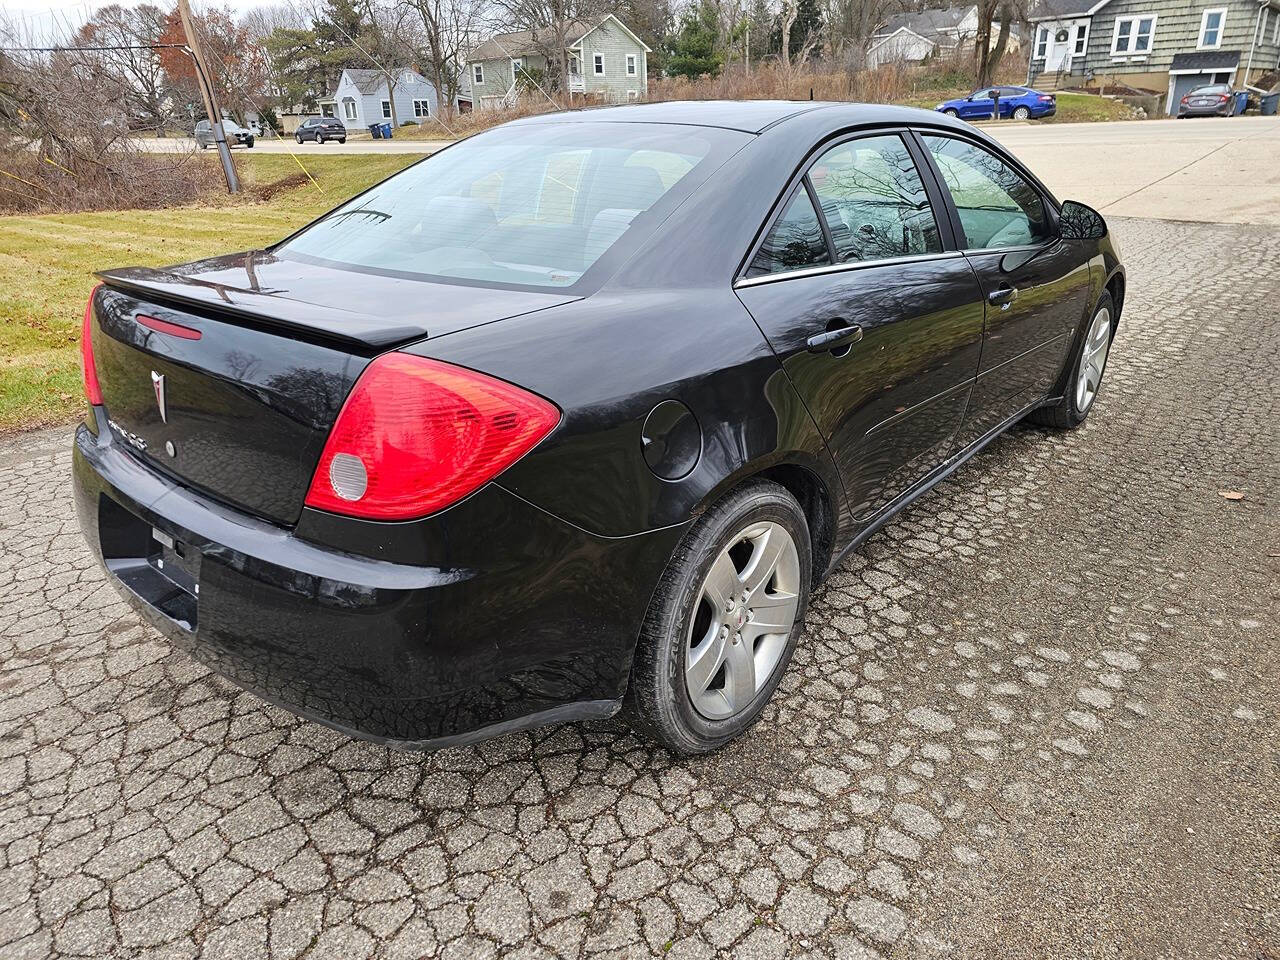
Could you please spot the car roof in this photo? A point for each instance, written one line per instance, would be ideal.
(749, 116)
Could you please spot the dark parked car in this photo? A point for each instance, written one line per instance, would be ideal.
(321, 129)
(1019, 103)
(1210, 100)
(236, 135)
(576, 412)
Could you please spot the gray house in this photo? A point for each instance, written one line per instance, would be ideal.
(1168, 46)
(360, 98)
(915, 35)
(607, 63)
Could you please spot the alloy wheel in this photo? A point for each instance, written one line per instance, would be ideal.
(1093, 360)
(744, 616)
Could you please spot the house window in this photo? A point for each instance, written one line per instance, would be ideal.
(1081, 29)
(477, 72)
(598, 60)
(631, 64)
(517, 68)
(1133, 35)
(348, 108)
(386, 109)
(1211, 24)
(422, 108)
(1042, 42)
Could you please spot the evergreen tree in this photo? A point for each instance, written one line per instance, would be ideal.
(692, 50)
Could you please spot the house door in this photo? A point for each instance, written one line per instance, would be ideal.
(1055, 57)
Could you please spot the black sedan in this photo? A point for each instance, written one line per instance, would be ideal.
(1210, 100)
(573, 415)
(321, 129)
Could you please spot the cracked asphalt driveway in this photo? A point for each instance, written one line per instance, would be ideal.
(1035, 716)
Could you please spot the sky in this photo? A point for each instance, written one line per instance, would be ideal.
(43, 18)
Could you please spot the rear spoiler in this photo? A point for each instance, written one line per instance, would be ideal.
(237, 305)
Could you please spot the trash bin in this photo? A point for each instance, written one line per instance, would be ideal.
(1269, 104)
(1242, 101)
(386, 130)
(376, 130)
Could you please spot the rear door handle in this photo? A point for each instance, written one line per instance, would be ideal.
(1003, 296)
(834, 339)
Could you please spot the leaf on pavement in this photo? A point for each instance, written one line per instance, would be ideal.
(1231, 494)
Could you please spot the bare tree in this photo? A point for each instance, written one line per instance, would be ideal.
(988, 57)
(134, 71)
(448, 27)
(852, 24)
(388, 39)
(549, 22)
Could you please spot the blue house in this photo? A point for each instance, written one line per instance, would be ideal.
(360, 98)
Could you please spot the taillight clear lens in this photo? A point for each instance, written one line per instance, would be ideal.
(416, 435)
(88, 369)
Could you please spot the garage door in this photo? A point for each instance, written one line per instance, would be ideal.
(1184, 83)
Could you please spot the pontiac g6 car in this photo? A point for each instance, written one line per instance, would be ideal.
(573, 415)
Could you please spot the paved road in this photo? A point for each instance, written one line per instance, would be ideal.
(1035, 717)
(1210, 171)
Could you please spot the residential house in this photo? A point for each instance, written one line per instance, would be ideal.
(607, 63)
(914, 36)
(1168, 46)
(360, 98)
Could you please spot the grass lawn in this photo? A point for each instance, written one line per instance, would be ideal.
(46, 266)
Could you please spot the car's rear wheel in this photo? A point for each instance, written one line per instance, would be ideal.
(1081, 384)
(723, 621)
(1022, 113)
(342, 140)
(319, 138)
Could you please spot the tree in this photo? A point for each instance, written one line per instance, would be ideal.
(653, 21)
(136, 75)
(693, 49)
(287, 50)
(237, 75)
(798, 33)
(337, 25)
(851, 24)
(549, 22)
(989, 57)
(447, 29)
(387, 41)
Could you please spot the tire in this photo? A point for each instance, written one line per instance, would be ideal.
(1071, 411)
(951, 112)
(320, 139)
(753, 520)
(342, 140)
(249, 144)
(1022, 113)
(298, 138)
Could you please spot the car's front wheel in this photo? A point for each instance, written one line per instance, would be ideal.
(723, 621)
(1084, 379)
(951, 113)
(1022, 113)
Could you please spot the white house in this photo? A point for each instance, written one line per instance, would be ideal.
(911, 37)
(360, 98)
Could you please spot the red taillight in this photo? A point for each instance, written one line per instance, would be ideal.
(1185, 99)
(164, 326)
(1223, 98)
(88, 369)
(1044, 99)
(416, 435)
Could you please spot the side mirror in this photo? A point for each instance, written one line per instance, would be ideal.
(1078, 222)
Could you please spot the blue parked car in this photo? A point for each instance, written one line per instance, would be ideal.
(1020, 103)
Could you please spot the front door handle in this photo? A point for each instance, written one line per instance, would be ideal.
(1003, 296)
(834, 339)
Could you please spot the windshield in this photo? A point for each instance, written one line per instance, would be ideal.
(534, 205)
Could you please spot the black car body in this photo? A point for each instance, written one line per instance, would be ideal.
(697, 352)
(1209, 100)
(321, 129)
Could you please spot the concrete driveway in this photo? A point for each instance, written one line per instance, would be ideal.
(1214, 170)
(1036, 716)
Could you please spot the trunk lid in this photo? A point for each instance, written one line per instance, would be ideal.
(228, 374)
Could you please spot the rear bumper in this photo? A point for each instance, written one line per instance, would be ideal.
(523, 620)
(1224, 110)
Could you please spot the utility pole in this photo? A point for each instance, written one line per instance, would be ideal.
(210, 98)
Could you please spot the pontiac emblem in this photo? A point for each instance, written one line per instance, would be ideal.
(157, 383)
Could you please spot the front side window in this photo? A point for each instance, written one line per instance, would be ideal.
(998, 207)
(1133, 35)
(795, 242)
(530, 206)
(1211, 22)
(874, 201)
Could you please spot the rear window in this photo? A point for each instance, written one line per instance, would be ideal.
(1213, 88)
(535, 205)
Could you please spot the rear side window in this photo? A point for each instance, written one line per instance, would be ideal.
(874, 201)
(794, 242)
(998, 207)
(532, 205)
